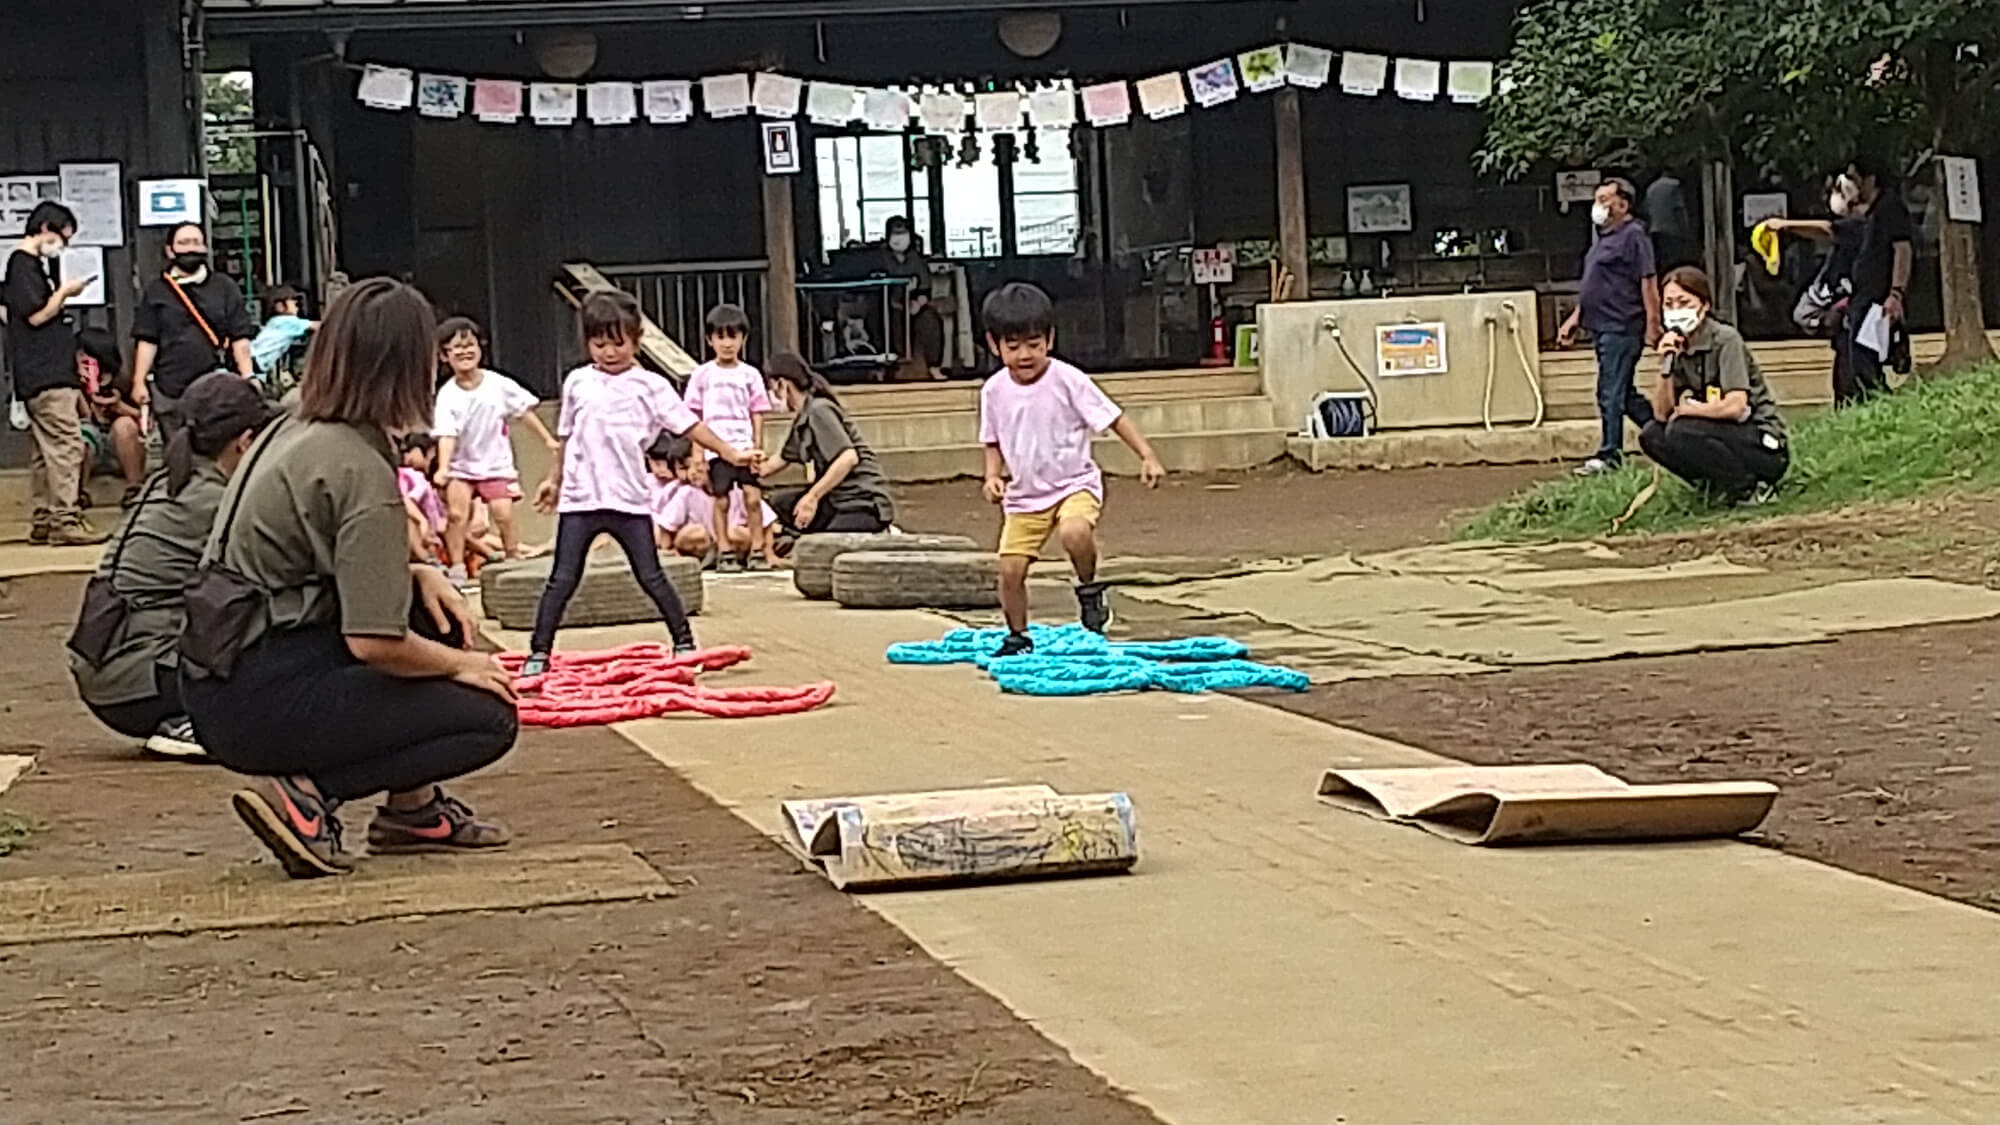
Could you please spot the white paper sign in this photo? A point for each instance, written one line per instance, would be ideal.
(1469, 83)
(1000, 110)
(1758, 206)
(943, 112)
(1163, 96)
(1579, 186)
(1308, 67)
(669, 101)
(1052, 109)
(833, 103)
(887, 111)
(162, 203)
(1363, 73)
(1214, 266)
(777, 95)
(1418, 79)
(387, 87)
(96, 193)
(612, 103)
(85, 261)
(552, 103)
(726, 95)
(1961, 190)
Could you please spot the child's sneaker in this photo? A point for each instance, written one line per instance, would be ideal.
(445, 824)
(175, 739)
(1092, 607)
(729, 564)
(757, 564)
(39, 524)
(457, 575)
(299, 827)
(537, 664)
(1016, 644)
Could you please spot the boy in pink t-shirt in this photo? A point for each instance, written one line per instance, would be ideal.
(599, 485)
(729, 395)
(1037, 417)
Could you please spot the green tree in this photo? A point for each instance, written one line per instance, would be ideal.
(226, 115)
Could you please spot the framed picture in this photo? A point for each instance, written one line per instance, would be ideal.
(1410, 349)
(781, 148)
(1378, 209)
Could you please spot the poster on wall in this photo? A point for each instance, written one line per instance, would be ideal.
(1378, 209)
(1215, 265)
(1410, 349)
(18, 196)
(162, 203)
(781, 148)
(96, 193)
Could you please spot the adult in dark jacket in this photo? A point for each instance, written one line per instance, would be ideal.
(191, 320)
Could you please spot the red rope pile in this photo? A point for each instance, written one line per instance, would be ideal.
(646, 681)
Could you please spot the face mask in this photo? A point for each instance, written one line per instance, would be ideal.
(1682, 321)
(54, 248)
(1837, 203)
(899, 242)
(190, 261)
(1849, 190)
(1600, 215)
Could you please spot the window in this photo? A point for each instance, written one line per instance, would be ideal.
(866, 180)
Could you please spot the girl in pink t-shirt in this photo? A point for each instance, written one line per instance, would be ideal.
(612, 411)
(683, 512)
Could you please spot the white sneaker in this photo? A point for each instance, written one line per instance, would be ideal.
(175, 739)
(457, 576)
(1761, 495)
(1595, 467)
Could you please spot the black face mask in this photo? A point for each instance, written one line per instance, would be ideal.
(190, 261)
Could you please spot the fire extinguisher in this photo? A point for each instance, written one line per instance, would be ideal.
(1218, 333)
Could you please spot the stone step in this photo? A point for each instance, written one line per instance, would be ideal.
(1155, 418)
(1180, 453)
(925, 398)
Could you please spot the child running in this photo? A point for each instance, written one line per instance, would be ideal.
(612, 410)
(729, 395)
(475, 454)
(1037, 416)
(683, 514)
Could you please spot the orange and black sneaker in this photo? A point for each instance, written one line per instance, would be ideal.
(298, 826)
(445, 824)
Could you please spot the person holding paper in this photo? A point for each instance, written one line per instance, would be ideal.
(41, 349)
(1618, 300)
(1881, 271)
(1719, 427)
(191, 320)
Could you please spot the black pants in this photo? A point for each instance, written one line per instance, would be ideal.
(300, 703)
(1730, 458)
(140, 718)
(575, 532)
(824, 519)
(1861, 376)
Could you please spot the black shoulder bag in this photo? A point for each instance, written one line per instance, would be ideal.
(102, 619)
(222, 604)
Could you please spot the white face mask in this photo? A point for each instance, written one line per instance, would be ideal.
(54, 248)
(1837, 203)
(1600, 215)
(1682, 321)
(1848, 189)
(900, 243)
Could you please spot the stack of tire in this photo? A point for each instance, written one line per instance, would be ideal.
(608, 595)
(893, 571)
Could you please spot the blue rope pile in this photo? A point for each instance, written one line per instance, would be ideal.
(1072, 660)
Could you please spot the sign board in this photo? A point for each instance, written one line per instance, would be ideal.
(781, 148)
(97, 194)
(1215, 266)
(162, 203)
(1578, 186)
(1410, 349)
(1961, 190)
(1758, 206)
(18, 197)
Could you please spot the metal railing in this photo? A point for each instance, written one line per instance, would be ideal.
(678, 295)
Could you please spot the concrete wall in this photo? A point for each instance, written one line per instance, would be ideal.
(1302, 357)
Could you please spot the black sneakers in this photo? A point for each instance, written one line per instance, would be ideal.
(1015, 645)
(175, 738)
(445, 824)
(1092, 607)
(299, 827)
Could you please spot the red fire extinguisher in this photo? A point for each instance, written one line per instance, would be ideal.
(1218, 333)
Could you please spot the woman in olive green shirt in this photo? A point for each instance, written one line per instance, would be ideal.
(1717, 426)
(358, 675)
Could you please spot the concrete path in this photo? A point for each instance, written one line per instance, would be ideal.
(1274, 961)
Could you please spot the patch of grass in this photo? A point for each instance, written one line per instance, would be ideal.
(14, 833)
(1926, 437)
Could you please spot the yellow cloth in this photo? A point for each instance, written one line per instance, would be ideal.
(1023, 533)
(1764, 241)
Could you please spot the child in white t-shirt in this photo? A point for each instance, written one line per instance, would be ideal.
(730, 396)
(683, 512)
(475, 451)
(612, 411)
(1037, 416)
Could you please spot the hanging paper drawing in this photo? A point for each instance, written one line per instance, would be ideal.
(776, 95)
(440, 95)
(496, 101)
(1263, 69)
(1469, 83)
(726, 95)
(386, 87)
(1418, 79)
(1213, 84)
(1052, 109)
(1108, 103)
(1163, 96)
(612, 103)
(552, 103)
(1363, 74)
(832, 103)
(943, 112)
(1307, 67)
(669, 101)
(887, 111)
(1000, 110)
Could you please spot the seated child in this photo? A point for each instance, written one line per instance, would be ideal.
(271, 349)
(420, 501)
(111, 430)
(683, 514)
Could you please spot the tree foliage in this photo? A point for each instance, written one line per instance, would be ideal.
(227, 110)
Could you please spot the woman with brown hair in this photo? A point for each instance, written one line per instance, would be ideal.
(351, 670)
(1717, 426)
(848, 491)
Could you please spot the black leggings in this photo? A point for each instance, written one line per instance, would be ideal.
(141, 718)
(1729, 457)
(827, 518)
(300, 703)
(575, 532)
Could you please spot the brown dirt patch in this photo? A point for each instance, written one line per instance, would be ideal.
(758, 995)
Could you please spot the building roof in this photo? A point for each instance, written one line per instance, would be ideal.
(275, 15)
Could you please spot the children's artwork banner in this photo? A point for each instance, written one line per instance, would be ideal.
(1410, 349)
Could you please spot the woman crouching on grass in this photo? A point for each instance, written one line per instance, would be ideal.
(316, 655)
(1718, 428)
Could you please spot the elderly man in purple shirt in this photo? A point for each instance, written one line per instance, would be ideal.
(1619, 302)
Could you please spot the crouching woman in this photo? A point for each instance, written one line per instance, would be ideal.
(316, 656)
(1718, 427)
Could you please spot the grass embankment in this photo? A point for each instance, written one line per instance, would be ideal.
(1927, 437)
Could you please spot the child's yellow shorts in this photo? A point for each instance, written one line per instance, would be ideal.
(1023, 533)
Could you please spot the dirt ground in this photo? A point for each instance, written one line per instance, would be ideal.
(758, 995)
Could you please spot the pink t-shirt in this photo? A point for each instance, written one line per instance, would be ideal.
(607, 422)
(477, 417)
(419, 492)
(727, 398)
(677, 504)
(1044, 430)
